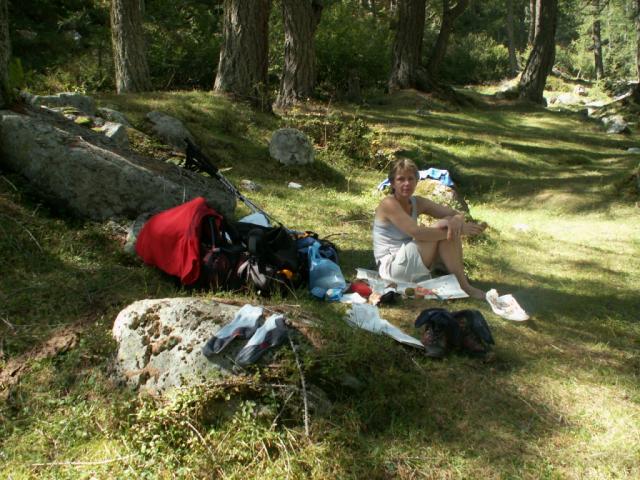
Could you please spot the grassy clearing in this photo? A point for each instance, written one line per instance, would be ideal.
(560, 401)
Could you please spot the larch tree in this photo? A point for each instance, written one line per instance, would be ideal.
(597, 41)
(542, 56)
(242, 69)
(129, 51)
(532, 22)
(449, 15)
(636, 18)
(511, 41)
(406, 70)
(301, 18)
(5, 51)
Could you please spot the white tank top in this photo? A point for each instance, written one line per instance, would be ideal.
(387, 238)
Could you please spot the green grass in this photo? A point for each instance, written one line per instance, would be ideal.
(561, 400)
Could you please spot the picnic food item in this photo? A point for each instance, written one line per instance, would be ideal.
(422, 292)
(361, 287)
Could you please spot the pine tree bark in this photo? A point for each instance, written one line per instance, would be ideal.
(129, 51)
(511, 42)
(449, 16)
(5, 53)
(301, 18)
(597, 42)
(406, 71)
(636, 92)
(597, 50)
(532, 21)
(242, 69)
(542, 56)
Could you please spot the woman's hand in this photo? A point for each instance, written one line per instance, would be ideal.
(472, 229)
(454, 226)
(441, 224)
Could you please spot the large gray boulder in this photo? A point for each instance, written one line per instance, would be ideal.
(440, 193)
(160, 342)
(116, 132)
(78, 101)
(170, 130)
(291, 147)
(615, 124)
(567, 98)
(88, 174)
(113, 116)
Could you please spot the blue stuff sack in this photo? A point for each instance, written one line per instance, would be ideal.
(323, 273)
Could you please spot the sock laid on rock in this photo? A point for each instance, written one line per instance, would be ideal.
(270, 335)
(243, 325)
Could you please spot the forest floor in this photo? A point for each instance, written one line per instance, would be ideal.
(560, 400)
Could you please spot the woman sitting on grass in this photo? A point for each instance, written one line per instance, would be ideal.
(405, 251)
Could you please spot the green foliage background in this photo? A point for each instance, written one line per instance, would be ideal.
(66, 44)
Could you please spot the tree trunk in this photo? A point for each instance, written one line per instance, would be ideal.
(532, 21)
(301, 18)
(511, 42)
(597, 50)
(129, 51)
(407, 47)
(636, 92)
(5, 53)
(449, 15)
(542, 56)
(244, 59)
(597, 42)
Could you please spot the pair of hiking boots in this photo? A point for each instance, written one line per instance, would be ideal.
(465, 331)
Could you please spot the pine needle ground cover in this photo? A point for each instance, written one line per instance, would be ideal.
(560, 400)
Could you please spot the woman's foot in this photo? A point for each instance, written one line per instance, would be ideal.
(474, 292)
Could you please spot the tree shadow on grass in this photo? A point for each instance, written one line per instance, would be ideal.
(477, 410)
(457, 404)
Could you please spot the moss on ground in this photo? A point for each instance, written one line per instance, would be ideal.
(561, 400)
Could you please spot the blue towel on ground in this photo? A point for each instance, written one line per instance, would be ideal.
(437, 174)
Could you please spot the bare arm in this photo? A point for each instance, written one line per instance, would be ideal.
(390, 211)
(451, 220)
(450, 225)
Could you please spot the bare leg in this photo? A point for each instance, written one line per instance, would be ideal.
(450, 252)
(427, 251)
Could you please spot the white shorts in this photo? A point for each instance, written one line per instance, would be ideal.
(404, 266)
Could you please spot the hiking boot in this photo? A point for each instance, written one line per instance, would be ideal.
(434, 341)
(472, 346)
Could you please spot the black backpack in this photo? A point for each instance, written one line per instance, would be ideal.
(271, 260)
(220, 254)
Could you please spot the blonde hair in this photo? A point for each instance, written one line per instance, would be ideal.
(399, 165)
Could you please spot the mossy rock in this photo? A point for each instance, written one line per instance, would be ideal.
(440, 193)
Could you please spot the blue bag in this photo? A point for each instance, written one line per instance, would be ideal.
(323, 273)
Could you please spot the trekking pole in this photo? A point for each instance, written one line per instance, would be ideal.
(196, 157)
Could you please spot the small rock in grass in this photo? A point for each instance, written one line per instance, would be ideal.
(250, 186)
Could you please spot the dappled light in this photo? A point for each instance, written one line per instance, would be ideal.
(546, 160)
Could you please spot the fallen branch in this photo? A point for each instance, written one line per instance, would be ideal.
(81, 464)
(26, 230)
(304, 389)
(9, 324)
(204, 442)
(275, 420)
(9, 182)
